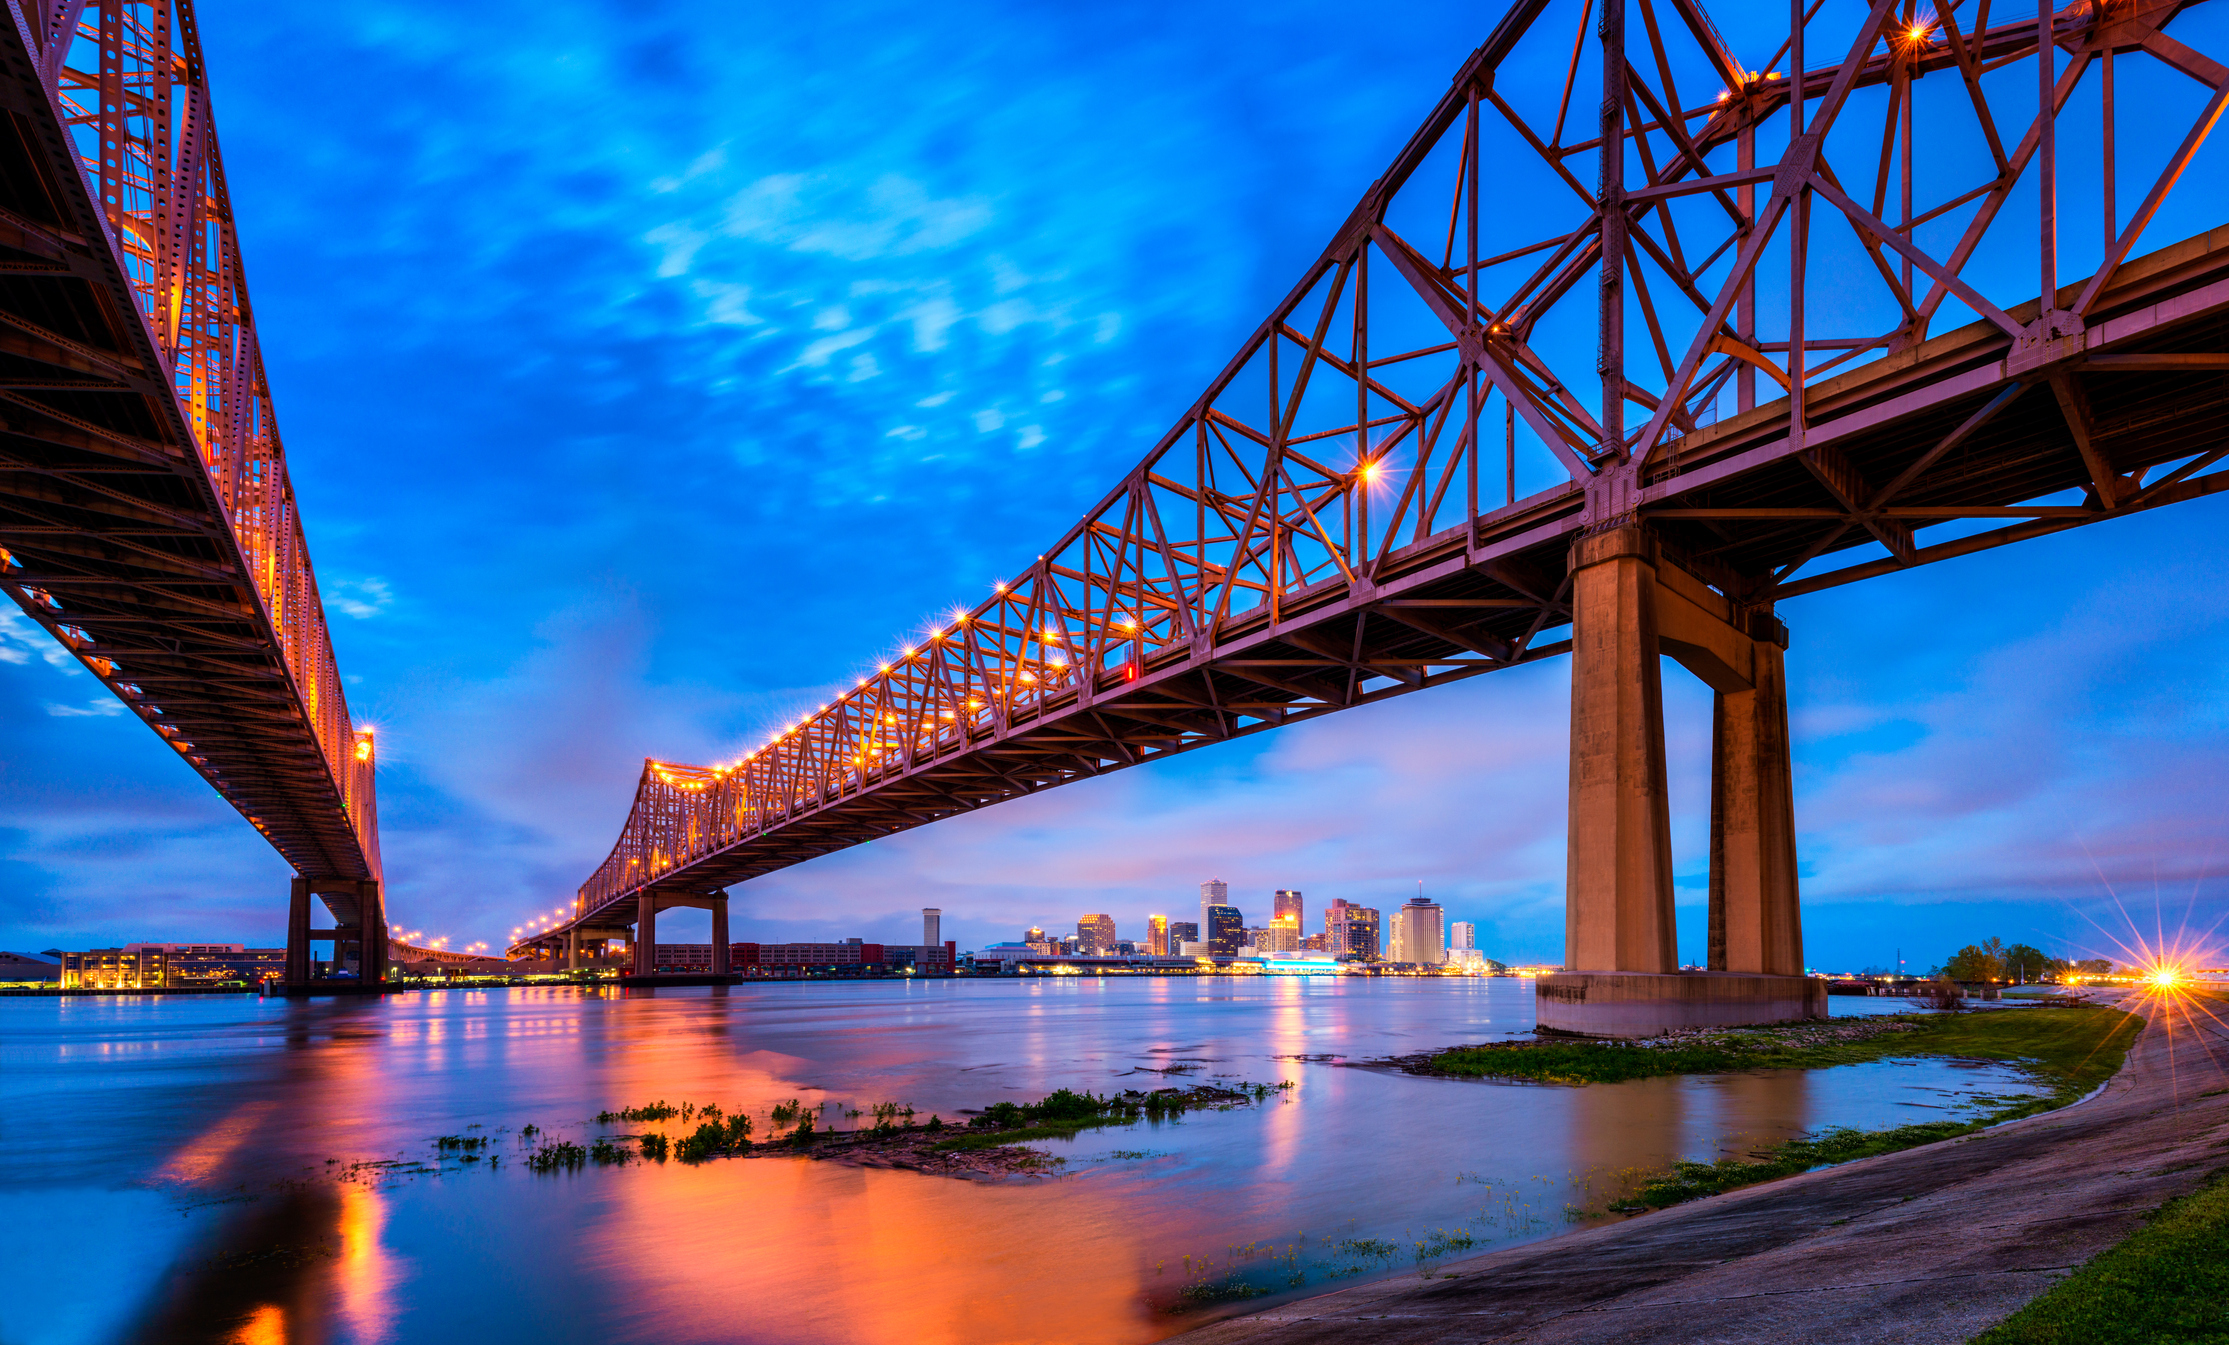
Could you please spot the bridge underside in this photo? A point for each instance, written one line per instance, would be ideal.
(1968, 437)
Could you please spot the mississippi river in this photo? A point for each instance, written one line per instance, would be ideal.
(235, 1169)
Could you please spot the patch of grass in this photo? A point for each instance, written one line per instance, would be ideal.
(2168, 1282)
(563, 1155)
(1062, 1113)
(1230, 1289)
(2070, 1041)
(2070, 1050)
(661, 1110)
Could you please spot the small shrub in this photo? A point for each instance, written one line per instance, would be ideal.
(551, 1157)
(707, 1141)
(655, 1146)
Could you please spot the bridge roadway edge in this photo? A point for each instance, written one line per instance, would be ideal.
(1933, 1244)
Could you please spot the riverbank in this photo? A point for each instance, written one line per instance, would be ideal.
(1931, 1244)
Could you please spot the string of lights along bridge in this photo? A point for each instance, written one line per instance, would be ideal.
(1643, 332)
(146, 519)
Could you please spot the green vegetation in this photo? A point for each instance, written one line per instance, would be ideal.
(2070, 1050)
(655, 1147)
(715, 1138)
(461, 1143)
(2082, 1044)
(552, 1157)
(1062, 1113)
(655, 1111)
(2168, 1282)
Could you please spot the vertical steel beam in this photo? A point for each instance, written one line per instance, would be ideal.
(646, 933)
(1611, 223)
(720, 935)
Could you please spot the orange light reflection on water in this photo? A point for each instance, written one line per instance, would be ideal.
(808, 1250)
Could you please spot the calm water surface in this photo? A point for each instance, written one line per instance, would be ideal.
(174, 1161)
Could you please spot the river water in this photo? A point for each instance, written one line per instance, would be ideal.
(188, 1169)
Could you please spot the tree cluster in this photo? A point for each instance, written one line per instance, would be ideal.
(1995, 960)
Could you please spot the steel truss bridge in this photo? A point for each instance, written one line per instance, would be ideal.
(146, 520)
(1875, 286)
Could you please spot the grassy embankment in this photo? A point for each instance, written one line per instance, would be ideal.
(2170, 1281)
(2070, 1050)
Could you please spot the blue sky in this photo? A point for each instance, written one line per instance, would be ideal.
(647, 370)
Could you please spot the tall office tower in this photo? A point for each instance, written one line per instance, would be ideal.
(1095, 935)
(1335, 926)
(1226, 930)
(1035, 935)
(1278, 936)
(1157, 935)
(1420, 937)
(1213, 892)
(1286, 906)
(1362, 933)
(1462, 934)
(932, 927)
(1182, 932)
(1391, 938)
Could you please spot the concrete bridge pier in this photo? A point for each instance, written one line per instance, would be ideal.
(646, 933)
(653, 900)
(1630, 606)
(359, 912)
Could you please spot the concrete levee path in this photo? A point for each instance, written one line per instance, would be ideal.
(1930, 1245)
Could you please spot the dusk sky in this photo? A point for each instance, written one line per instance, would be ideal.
(647, 371)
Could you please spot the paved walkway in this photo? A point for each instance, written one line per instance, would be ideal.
(1932, 1245)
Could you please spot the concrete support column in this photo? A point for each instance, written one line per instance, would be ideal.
(1618, 898)
(572, 949)
(298, 934)
(646, 935)
(371, 927)
(1755, 919)
(720, 935)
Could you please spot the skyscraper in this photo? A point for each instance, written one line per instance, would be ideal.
(1157, 935)
(932, 927)
(1095, 935)
(1286, 906)
(1182, 932)
(1226, 930)
(1278, 936)
(1335, 926)
(1213, 892)
(1420, 937)
(1362, 933)
(1462, 934)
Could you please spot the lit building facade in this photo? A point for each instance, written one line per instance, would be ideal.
(170, 966)
(1420, 938)
(1095, 935)
(1285, 905)
(1157, 935)
(1226, 930)
(1462, 934)
(1278, 936)
(1360, 934)
(1335, 926)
